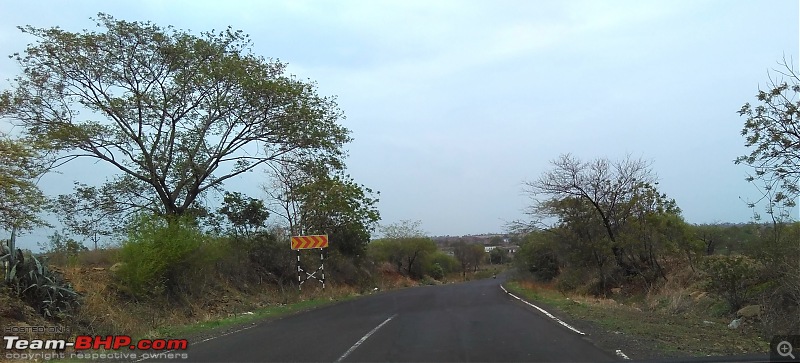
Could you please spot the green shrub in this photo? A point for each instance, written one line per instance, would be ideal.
(437, 272)
(271, 259)
(447, 263)
(344, 269)
(159, 257)
(428, 280)
(540, 259)
(733, 278)
(569, 281)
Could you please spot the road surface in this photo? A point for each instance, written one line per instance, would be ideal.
(467, 322)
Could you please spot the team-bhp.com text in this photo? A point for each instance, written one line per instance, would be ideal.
(83, 343)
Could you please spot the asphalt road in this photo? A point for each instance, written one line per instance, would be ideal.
(467, 322)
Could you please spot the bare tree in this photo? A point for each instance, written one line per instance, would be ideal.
(607, 186)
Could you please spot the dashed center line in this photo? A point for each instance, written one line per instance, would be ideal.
(364, 338)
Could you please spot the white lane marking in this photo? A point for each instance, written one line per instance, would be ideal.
(551, 316)
(364, 338)
(621, 354)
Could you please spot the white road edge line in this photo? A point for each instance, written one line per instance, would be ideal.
(551, 316)
(621, 354)
(364, 338)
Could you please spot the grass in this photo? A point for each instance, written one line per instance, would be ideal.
(666, 326)
(257, 315)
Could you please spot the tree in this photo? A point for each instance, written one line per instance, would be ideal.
(498, 256)
(413, 251)
(247, 216)
(61, 248)
(539, 256)
(176, 114)
(608, 221)
(336, 204)
(403, 229)
(605, 186)
(314, 199)
(772, 131)
(710, 235)
(468, 255)
(20, 199)
(90, 212)
(406, 254)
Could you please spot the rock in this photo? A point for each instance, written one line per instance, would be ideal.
(116, 266)
(749, 311)
(706, 322)
(735, 323)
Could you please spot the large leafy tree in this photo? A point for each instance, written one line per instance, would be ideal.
(176, 113)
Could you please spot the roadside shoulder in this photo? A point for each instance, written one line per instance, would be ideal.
(626, 346)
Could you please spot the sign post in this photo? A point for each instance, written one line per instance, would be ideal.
(308, 242)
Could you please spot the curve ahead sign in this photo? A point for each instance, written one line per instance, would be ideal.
(306, 242)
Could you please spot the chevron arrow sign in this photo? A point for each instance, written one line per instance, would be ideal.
(306, 242)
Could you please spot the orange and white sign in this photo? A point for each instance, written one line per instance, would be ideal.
(306, 242)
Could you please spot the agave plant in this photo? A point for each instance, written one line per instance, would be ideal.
(40, 287)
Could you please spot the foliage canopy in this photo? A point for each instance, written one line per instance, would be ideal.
(175, 113)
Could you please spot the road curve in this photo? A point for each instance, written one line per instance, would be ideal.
(467, 322)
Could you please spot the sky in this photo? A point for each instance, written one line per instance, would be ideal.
(453, 105)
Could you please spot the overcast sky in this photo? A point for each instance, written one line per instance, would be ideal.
(453, 104)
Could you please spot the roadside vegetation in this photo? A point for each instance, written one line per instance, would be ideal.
(176, 115)
(601, 231)
(171, 250)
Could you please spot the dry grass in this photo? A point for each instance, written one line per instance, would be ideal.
(106, 311)
(104, 257)
(676, 320)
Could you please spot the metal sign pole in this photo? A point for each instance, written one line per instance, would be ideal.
(299, 283)
(322, 267)
(298, 243)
